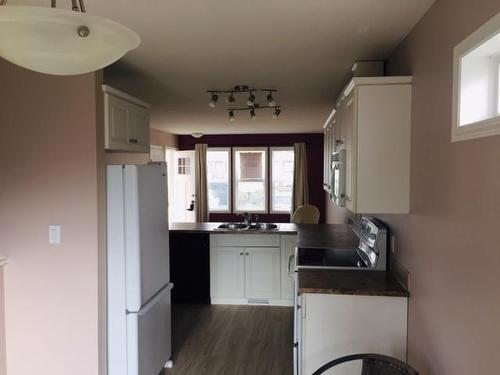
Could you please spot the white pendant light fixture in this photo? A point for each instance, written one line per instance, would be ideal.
(59, 41)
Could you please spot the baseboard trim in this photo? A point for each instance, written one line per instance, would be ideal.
(244, 301)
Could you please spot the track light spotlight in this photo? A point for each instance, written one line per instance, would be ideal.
(276, 113)
(252, 114)
(231, 116)
(270, 100)
(230, 98)
(251, 100)
(213, 101)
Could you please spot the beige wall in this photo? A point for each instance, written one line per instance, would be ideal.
(333, 213)
(449, 242)
(157, 137)
(161, 138)
(48, 163)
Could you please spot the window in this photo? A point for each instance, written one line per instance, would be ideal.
(282, 159)
(250, 179)
(183, 165)
(218, 181)
(476, 83)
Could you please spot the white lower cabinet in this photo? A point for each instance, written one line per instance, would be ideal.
(227, 272)
(262, 273)
(250, 269)
(333, 326)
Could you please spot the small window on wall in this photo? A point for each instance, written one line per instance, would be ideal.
(250, 179)
(476, 83)
(183, 165)
(282, 159)
(218, 179)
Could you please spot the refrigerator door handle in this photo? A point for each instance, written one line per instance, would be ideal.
(153, 301)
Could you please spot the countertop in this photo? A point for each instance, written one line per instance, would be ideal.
(310, 236)
(284, 228)
(313, 236)
(366, 283)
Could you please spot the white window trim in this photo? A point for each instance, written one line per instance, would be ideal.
(230, 177)
(271, 149)
(266, 178)
(486, 127)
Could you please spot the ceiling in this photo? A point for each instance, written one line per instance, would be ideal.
(304, 49)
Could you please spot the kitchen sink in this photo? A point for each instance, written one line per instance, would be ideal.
(252, 227)
(233, 226)
(263, 226)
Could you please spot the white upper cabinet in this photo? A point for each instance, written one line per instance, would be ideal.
(372, 124)
(126, 122)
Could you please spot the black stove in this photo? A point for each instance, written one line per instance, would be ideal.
(369, 254)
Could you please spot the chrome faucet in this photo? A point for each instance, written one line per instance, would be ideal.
(247, 217)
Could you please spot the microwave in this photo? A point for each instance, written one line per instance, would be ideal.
(338, 176)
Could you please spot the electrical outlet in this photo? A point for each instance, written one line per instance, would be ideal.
(393, 243)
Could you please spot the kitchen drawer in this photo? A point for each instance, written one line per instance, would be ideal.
(245, 240)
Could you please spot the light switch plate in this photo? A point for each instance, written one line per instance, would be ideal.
(54, 234)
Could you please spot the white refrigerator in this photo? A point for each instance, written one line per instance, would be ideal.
(138, 289)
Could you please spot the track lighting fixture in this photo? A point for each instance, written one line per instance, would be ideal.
(230, 98)
(251, 100)
(213, 100)
(253, 111)
(270, 100)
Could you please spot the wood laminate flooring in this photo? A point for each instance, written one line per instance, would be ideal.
(232, 340)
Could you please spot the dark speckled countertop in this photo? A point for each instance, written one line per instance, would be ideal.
(366, 283)
(313, 236)
(284, 228)
(308, 235)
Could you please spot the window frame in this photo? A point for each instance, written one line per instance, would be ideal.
(229, 180)
(270, 185)
(490, 126)
(266, 179)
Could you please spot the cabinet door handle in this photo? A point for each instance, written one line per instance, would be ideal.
(132, 140)
(290, 259)
(241, 253)
(247, 254)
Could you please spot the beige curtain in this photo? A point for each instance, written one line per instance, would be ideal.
(201, 183)
(300, 177)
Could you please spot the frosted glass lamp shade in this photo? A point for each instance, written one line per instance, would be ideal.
(46, 40)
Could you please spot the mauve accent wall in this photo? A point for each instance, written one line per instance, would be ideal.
(449, 241)
(314, 143)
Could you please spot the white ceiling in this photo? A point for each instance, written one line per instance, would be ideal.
(304, 49)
